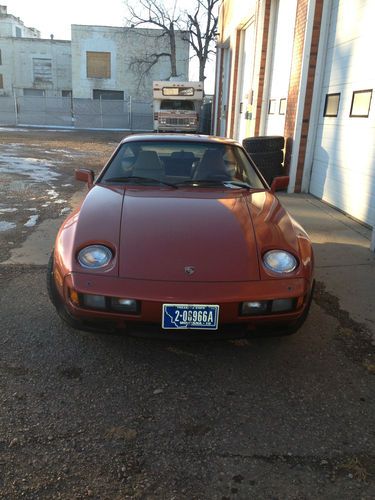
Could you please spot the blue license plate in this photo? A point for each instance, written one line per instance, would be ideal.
(190, 317)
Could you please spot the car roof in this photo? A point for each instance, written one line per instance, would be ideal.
(180, 138)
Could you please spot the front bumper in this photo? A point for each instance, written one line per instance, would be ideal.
(152, 295)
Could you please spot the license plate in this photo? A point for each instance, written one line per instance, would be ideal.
(190, 317)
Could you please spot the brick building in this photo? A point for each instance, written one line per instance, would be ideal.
(301, 69)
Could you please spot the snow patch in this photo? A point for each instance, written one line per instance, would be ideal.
(5, 226)
(32, 221)
(52, 194)
(38, 170)
(8, 210)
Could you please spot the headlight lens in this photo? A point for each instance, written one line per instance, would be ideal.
(94, 256)
(279, 261)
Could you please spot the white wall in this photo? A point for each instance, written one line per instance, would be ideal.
(17, 64)
(124, 44)
(343, 169)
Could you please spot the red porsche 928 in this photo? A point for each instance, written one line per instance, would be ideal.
(181, 235)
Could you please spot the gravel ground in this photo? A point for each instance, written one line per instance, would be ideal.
(114, 417)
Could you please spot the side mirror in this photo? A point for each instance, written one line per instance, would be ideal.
(85, 175)
(280, 183)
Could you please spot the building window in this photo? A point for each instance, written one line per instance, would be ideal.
(331, 106)
(66, 93)
(98, 64)
(361, 102)
(18, 32)
(34, 92)
(282, 107)
(109, 95)
(272, 106)
(42, 69)
(1, 82)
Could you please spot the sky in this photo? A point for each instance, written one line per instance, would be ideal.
(56, 16)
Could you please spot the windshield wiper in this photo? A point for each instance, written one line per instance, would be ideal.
(197, 182)
(129, 178)
(218, 182)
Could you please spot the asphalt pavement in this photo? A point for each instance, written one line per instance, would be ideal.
(115, 417)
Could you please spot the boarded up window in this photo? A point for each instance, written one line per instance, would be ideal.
(1, 82)
(42, 69)
(98, 64)
(34, 92)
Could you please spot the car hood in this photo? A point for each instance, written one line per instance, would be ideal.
(184, 235)
(187, 235)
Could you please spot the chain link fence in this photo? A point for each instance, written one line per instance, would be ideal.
(129, 114)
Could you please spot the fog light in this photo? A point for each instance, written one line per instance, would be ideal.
(256, 307)
(94, 301)
(125, 305)
(283, 305)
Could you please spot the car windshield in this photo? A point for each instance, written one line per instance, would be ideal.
(178, 163)
(176, 105)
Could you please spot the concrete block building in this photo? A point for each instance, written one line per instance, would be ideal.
(104, 61)
(99, 61)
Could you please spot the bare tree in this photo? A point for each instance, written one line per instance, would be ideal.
(202, 27)
(198, 26)
(154, 13)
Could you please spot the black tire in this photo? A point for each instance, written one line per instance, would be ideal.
(263, 144)
(272, 158)
(55, 297)
(269, 164)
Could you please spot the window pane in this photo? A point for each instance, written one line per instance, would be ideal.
(282, 107)
(361, 103)
(272, 107)
(331, 106)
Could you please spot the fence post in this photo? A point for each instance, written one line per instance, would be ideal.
(372, 244)
(101, 111)
(130, 114)
(15, 106)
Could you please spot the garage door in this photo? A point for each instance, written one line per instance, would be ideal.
(280, 67)
(343, 170)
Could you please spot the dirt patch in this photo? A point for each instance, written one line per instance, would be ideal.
(352, 335)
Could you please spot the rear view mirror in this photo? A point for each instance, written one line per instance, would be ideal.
(280, 183)
(85, 175)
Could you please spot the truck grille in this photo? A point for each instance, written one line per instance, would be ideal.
(177, 121)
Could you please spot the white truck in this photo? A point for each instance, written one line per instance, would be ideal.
(177, 106)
